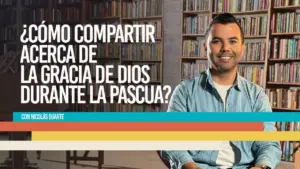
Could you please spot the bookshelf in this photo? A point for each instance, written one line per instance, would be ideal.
(195, 21)
(272, 55)
(9, 29)
(130, 12)
(74, 12)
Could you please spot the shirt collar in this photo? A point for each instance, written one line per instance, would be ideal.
(208, 80)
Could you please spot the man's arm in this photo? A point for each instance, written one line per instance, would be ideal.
(179, 159)
(267, 152)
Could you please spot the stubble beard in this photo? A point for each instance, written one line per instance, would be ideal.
(219, 67)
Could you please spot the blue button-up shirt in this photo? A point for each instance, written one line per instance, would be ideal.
(200, 95)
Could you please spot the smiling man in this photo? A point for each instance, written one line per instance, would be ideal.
(221, 89)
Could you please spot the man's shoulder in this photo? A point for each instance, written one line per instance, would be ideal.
(190, 84)
(249, 86)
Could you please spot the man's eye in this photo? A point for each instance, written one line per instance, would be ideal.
(233, 41)
(215, 41)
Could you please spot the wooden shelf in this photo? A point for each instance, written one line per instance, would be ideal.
(265, 11)
(67, 5)
(255, 37)
(193, 58)
(35, 6)
(286, 34)
(285, 109)
(6, 6)
(192, 35)
(66, 22)
(151, 82)
(105, 18)
(141, 60)
(281, 83)
(143, 18)
(106, 58)
(285, 60)
(196, 12)
(252, 62)
(287, 7)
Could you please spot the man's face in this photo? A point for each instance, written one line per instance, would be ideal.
(224, 46)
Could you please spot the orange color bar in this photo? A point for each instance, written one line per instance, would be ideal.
(131, 126)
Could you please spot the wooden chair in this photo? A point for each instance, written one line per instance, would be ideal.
(75, 158)
(166, 162)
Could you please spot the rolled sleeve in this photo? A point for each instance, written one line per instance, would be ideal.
(267, 152)
(177, 158)
(177, 103)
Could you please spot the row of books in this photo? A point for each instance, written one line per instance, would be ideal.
(108, 50)
(286, 48)
(157, 24)
(5, 20)
(193, 48)
(115, 107)
(254, 51)
(113, 70)
(285, 22)
(140, 108)
(34, 2)
(154, 72)
(288, 150)
(8, 34)
(66, 15)
(43, 2)
(254, 25)
(102, 9)
(195, 24)
(66, 2)
(278, 3)
(285, 72)
(34, 16)
(4, 48)
(196, 5)
(288, 126)
(8, 2)
(142, 8)
(96, 86)
(239, 5)
(288, 147)
(142, 51)
(144, 95)
(251, 25)
(190, 69)
(284, 97)
(253, 73)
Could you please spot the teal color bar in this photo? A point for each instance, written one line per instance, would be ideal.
(156, 116)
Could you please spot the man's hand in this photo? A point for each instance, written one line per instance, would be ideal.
(190, 165)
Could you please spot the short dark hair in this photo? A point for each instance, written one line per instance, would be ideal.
(225, 18)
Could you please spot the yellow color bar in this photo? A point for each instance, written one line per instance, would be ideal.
(163, 136)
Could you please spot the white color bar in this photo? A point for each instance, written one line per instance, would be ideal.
(110, 145)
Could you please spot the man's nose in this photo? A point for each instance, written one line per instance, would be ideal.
(225, 47)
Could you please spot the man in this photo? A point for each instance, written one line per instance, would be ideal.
(221, 89)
